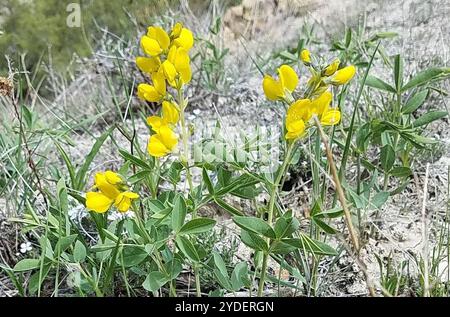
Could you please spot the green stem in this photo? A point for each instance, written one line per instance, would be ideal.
(273, 198)
(185, 161)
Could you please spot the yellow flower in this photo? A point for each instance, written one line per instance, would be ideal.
(155, 42)
(123, 201)
(148, 65)
(110, 186)
(177, 63)
(305, 56)
(331, 117)
(332, 68)
(295, 129)
(170, 116)
(321, 103)
(154, 93)
(298, 113)
(182, 38)
(176, 30)
(276, 89)
(299, 110)
(163, 142)
(344, 75)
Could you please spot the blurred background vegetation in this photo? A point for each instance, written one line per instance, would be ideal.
(38, 28)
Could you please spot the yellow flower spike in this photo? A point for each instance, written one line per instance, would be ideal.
(150, 46)
(332, 68)
(295, 129)
(163, 142)
(158, 34)
(344, 75)
(321, 103)
(272, 88)
(185, 39)
(288, 77)
(299, 110)
(149, 93)
(176, 30)
(124, 200)
(98, 202)
(305, 56)
(331, 117)
(170, 113)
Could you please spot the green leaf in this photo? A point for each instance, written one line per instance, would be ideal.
(27, 265)
(81, 175)
(427, 76)
(79, 252)
(311, 245)
(255, 225)
(284, 227)
(348, 37)
(220, 264)
(401, 171)
(429, 117)
(281, 247)
(198, 225)
(378, 83)
(324, 226)
(379, 199)
(398, 72)
(135, 160)
(239, 277)
(331, 213)
(387, 157)
(174, 172)
(382, 35)
(64, 243)
(254, 241)
(68, 163)
(187, 248)
(132, 256)
(415, 102)
(207, 181)
(178, 213)
(154, 281)
(232, 210)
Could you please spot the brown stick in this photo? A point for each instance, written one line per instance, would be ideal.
(341, 197)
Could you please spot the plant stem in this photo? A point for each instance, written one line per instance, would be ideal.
(185, 161)
(273, 198)
(338, 185)
(344, 206)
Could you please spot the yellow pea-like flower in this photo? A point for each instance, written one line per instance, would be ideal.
(184, 39)
(176, 30)
(305, 56)
(332, 68)
(170, 116)
(295, 130)
(275, 89)
(150, 46)
(124, 200)
(148, 65)
(299, 110)
(98, 202)
(110, 186)
(163, 142)
(344, 75)
(158, 34)
(321, 103)
(178, 63)
(331, 117)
